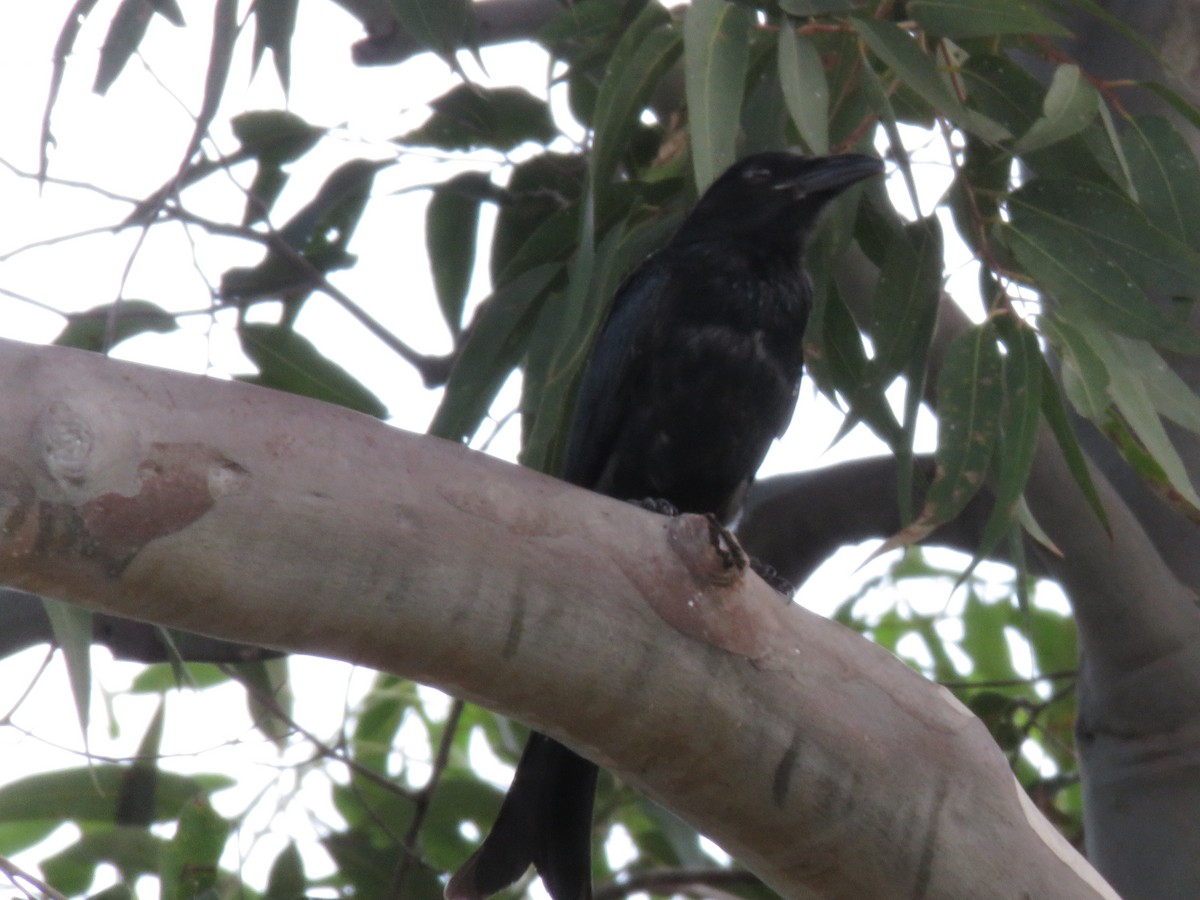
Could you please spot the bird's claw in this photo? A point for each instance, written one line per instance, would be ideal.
(657, 505)
(767, 573)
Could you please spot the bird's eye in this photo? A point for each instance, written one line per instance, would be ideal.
(757, 174)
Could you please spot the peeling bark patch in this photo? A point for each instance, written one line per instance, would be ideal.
(179, 484)
(782, 781)
(62, 442)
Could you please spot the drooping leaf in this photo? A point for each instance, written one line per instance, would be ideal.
(1069, 106)
(1169, 394)
(451, 231)
(1166, 175)
(983, 18)
(805, 88)
(125, 33)
(443, 26)
(904, 308)
(470, 117)
(290, 362)
(495, 342)
(1133, 400)
(1020, 423)
(538, 190)
(904, 56)
(169, 10)
(716, 54)
(138, 794)
(1055, 415)
(646, 50)
(880, 102)
(72, 627)
(970, 393)
(274, 23)
(286, 879)
(1084, 374)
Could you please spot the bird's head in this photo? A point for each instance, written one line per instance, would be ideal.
(774, 194)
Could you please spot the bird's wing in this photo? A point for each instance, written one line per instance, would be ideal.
(613, 373)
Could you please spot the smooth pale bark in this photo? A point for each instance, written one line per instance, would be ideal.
(815, 757)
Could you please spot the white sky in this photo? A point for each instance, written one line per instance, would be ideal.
(129, 143)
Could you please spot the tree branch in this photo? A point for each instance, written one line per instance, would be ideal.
(819, 760)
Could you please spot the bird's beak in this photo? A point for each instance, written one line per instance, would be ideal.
(831, 174)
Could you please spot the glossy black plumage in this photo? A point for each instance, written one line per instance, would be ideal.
(693, 376)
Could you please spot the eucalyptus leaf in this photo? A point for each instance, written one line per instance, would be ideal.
(805, 88)
(716, 54)
(983, 18)
(1069, 106)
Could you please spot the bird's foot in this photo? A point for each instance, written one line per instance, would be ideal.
(767, 573)
(657, 505)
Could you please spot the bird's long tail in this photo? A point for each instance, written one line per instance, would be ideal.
(545, 821)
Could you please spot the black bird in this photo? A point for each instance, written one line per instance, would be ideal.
(694, 374)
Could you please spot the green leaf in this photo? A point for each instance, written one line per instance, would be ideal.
(1055, 415)
(649, 46)
(1085, 376)
(1170, 395)
(805, 88)
(169, 10)
(470, 117)
(72, 626)
(1176, 101)
(1069, 106)
(274, 23)
(275, 136)
(269, 698)
(904, 308)
(290, 362)
(716, 54)
(904, 56)
(91, 329)
(287, 881)
(1114, 226)
(137, 797)
(494, 344)
(1020, 424)
(443, 26)
(1129, 392)
(970, 393)
(125, 34)
(89, 794)
(133, 851)
(189, 860)
(1098, 255)
(878, 99)
(451, 231)
(1166, 175)
(983, 18)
